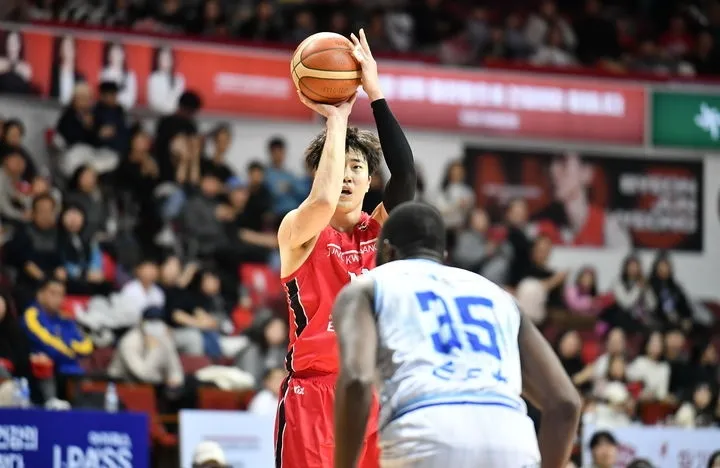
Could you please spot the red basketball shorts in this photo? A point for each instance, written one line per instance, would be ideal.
(304, 426)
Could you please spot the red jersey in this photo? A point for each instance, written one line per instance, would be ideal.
(336, 258)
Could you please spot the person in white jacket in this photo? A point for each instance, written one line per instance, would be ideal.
(165, 85)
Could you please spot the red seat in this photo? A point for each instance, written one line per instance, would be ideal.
(215, 398)
(654, 412)
(261, 281)
(72, 302)
(241, 317)
(109, 267)
(99, 361)
(192, 364)
(590, 351)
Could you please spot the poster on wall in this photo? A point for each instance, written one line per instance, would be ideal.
(252, 82)
(594, 200)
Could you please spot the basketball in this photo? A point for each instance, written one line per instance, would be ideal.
(324, 69)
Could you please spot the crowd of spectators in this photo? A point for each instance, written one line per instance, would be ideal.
(678, 37)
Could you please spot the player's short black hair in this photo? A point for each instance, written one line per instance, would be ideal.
(362, 141)
(414, 227)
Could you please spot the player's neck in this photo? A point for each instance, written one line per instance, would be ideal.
(346, 221)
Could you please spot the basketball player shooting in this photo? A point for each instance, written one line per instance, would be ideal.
(325, 243)
(453, 353)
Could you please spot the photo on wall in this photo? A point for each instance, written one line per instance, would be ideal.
(595, 200)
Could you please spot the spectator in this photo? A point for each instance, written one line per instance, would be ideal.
(677, 40)
(516, 218)
(582, 296)
(432, 24)
(165, 84)
(264, 403)
(83, 191)
(280, 181)
(34, 251)
(147, 354)
(483, 250)
(110, 120)
(699, 411)
(376, 32)
(615, 345)
(539, 25)
(204, 218)
(258, 208)
(569, 350)
(552, 52)
(256, 241)
(211, 20)
(603, 447)
(201, 323)
(169, 15)
(455, 200)
(180, 124)
(262, 25)
(142, 292)
(515, 41)
(221, 139)
(115, 69)
(14, 346)
(53, 334)
(681, 371)
(13, 203)
(305, 26)
(672, 306)
(648, 59)
(596, 35)
(705, 58)
(538, 273)
(64, 74)
(81, 256)
(706, 366)
(650, 369)
(634, 301)
(268, 344)
(12, 139)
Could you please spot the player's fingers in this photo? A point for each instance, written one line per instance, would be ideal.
(359, 54)
(364, 42)
(354, 39)
(306, 101)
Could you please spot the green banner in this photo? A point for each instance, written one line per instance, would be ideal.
(689, 120)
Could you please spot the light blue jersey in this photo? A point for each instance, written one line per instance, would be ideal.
(447, 341)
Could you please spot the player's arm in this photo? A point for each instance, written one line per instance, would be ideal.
(314, 213)
(395, 147)
(547, 386)
(354, 321)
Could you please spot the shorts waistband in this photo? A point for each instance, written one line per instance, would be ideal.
(311, 376)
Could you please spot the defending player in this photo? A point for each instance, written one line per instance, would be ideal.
(325, 243)
(453, 353)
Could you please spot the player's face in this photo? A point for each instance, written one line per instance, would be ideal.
(356, 182)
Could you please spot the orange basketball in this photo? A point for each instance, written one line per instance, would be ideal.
(324, 69)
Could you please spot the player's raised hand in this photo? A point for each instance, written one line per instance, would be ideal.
(362, 53)
(341, 110)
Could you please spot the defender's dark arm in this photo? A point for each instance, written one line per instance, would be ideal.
(354, 321)
(547, 386)
(398, 157)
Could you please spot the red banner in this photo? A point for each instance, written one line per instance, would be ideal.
(258, 83)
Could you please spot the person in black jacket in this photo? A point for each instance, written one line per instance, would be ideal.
(673, 309)
(110, 120)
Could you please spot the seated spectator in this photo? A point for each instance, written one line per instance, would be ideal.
(615, 345)
(596, 34)
(147, 354)
(204, 218)
(706, 365)
(143, 291)
(109, 118)
(616, 372)
(541, 287)
(258, 213)
(14, 346)
(672, 306)
(516, 220)
(604, 449)
(76, 128)
(268, 345)
(681, 371)
(547, 17)
(243, 228)
(34, 251)
(677, 41)
(84, 192)
(280, 181)
(201, 321)
(482, 250)
(650, 369)
(54, 335)
(582, 297)
(569, 350)
(634, 301)
(169, 127)
(13, 202)
(264, 403)
(221, 139)
(210, 19)
(12, 135)
(81, 256)
(262, 25)
(455, 200)
(699, 410)
(552, 52)
(705, 58)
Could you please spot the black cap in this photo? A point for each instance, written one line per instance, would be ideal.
(600, 437)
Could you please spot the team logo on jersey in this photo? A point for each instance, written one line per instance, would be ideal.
(298, 390)
(352, 255)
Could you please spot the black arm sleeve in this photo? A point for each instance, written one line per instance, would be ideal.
(398, 157)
